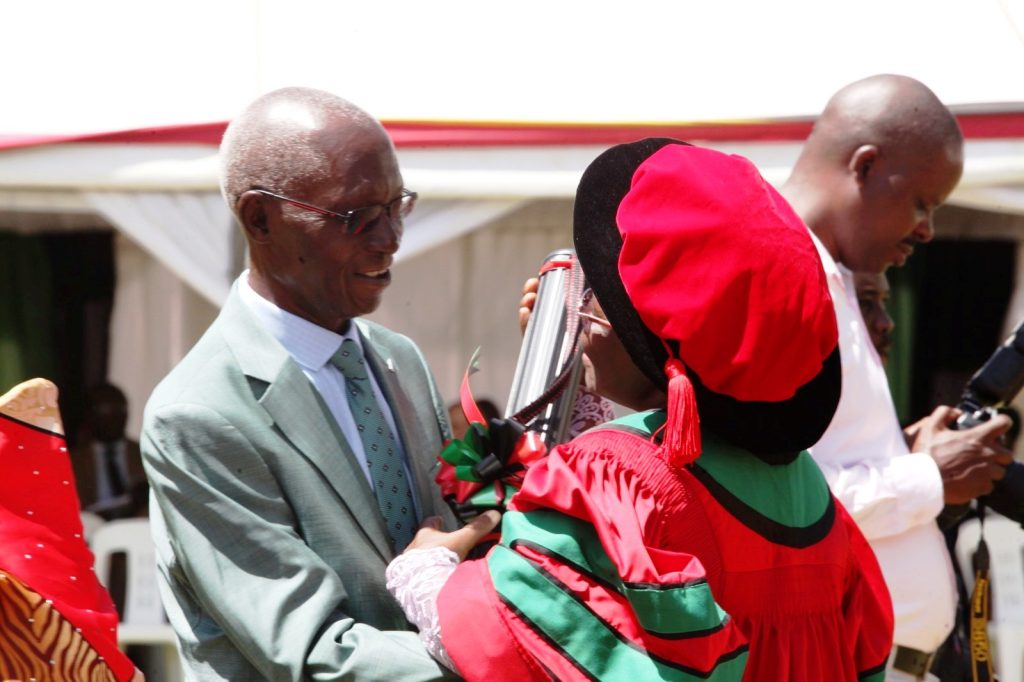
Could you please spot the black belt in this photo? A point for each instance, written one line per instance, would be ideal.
(912, 661)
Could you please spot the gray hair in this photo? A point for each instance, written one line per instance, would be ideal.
(273, 144)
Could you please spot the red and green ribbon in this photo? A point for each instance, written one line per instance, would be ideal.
(481, 470)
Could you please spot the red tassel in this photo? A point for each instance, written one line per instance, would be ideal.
(682, 427)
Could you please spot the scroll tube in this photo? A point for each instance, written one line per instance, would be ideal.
(548, 369)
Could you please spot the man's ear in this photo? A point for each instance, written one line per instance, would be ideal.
(862, 161)
(252, 213)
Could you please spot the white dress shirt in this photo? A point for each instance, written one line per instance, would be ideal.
(894, 495)
(312, 346)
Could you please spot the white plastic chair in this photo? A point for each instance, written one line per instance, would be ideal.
(143, 621)
(91, 522)
(1005, 540)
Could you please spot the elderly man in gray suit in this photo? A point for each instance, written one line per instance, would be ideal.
(290, 453)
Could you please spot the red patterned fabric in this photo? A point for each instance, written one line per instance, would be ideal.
(41, 536)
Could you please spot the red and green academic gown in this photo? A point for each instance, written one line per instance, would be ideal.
(614, 565)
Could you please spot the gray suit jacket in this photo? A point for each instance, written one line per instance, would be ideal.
(270, 546)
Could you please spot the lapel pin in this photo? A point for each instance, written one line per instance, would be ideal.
(391, 365)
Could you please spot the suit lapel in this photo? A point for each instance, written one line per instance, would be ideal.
(295, 408)
(414, 433)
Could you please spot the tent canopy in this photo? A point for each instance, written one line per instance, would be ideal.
(121, 64)
(113, 109)
(485, 103)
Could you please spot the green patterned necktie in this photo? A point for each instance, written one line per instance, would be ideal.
(383, 452)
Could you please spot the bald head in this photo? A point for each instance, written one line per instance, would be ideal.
(883, 155)
(892, 112)
(282, 141)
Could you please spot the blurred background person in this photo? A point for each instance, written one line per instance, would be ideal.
(107, 464)
(873, 297)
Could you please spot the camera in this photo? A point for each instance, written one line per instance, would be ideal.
(997, 383)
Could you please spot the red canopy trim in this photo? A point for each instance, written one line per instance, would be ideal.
(981, 125)
(470, 134)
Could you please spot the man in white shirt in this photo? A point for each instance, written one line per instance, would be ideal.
(883, 155)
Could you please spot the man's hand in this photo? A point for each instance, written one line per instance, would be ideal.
(911, 432)
(527, 302)
(970, 461)
(459, 541)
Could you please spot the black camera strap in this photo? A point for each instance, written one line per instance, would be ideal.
(981, 651)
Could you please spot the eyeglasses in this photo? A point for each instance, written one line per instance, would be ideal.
(358, 220)
(586, 305)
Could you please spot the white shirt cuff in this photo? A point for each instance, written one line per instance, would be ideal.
(923, 495)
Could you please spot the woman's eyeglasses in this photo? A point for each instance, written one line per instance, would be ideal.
(586, 311)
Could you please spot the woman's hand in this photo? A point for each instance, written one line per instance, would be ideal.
(460, 541)
(527, 302)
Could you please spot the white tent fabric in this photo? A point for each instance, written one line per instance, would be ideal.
(998, 198)
(194, 236)
(191, 233)
(436, 222)
(994, 168)
(118, 64)
(157, 318)
(165, 198)
(463, 294)
(113, 65)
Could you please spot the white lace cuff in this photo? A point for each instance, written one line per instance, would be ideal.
(414, 579)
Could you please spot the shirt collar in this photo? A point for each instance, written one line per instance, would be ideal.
(833, 270)
(309, 344)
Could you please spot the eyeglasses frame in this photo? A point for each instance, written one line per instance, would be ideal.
(345, 216)
(585, 300)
